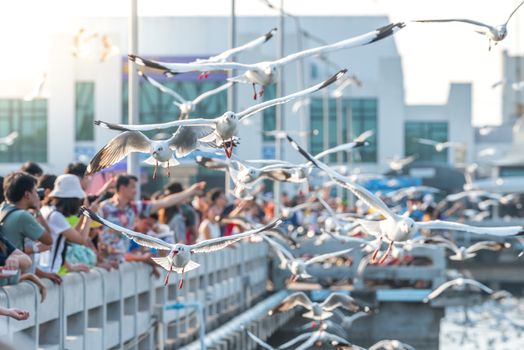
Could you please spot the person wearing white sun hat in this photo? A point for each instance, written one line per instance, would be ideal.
(66, 199)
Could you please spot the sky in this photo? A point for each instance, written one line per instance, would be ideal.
(433, 55)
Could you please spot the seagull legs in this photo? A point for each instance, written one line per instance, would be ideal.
(168, 169)
(261, 92)
(229, 148)
(254, 92)
(166, 280)
(374, 255)
(203, 75)
(154, 172)
(181, 283)
(386, 254)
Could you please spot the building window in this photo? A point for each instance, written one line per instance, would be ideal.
(84, 111)
(362, 113)
(509, 171)
(269, 115)
(29, 119)
(437, 131)
(157, 107)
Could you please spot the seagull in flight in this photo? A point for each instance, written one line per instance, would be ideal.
(8, 140)
(38, 90)
(318, 311)
(185, 106)
(464, 253)
(225, 127)
(160, 151)
(457, 284)
(397, 164)
(397, 228)
(296, 266)
(179, 257)
(439, 146)
(264, 73)
(493, 33)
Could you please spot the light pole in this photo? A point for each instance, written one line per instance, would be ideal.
(133, 166)
(231, 92)
(278, 113)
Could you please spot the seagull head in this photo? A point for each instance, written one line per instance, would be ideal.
(502, 32)
(230, 117)
(270, 70)
(405, 228)
(160, 151)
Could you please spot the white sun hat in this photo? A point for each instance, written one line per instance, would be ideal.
(67, 186)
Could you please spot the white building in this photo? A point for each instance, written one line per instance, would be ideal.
(83, 89)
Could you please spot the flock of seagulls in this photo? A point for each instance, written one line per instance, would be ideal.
(388, 223)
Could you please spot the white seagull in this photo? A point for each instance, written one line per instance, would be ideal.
(108, 49)
(8, 140)
(397, 164)
(457, 284)
(185, 106)
(161, 151)
(179, 257)
(264, 73)
(318, 311)
(225, 127)
(464, 253)
(38, 90)
(247, 46)
(398, 228)
(391, 345)
(493, 33)
(440, 146)
(296, 266)
(311, 338)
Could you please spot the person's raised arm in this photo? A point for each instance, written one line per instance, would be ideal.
(177, 198)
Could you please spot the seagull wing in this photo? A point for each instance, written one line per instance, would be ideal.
(261, 106)
(515, 10)
(463, 20)
(212, 92)
(144, 240)
(455, 226)
(364, 39)
(323, 257)
(189, 67)
(211, 245)
(186, 139)
(359, 191)
(211, 163)
(427, 142)
(299, 338)
(479, 285)
(291, 301)
(9, 139)
(162, 88)
(284, 254)
(484, 245)
(260, 341)
(338, 299)
(146, 127)
(247, 46)
(118, 148)
(441, 289)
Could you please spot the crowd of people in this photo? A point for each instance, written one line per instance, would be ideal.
(42, 236)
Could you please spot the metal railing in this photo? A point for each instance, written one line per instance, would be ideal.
(124, 308)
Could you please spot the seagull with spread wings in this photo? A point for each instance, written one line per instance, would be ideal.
(318, 311)
(457, 284)
(463, 253)
(440, 146)
(493, 33)
(185, 106)
(8, 140)
(225, 127)
(297, 266)
(179, 257)
(397, 228)
(264, 73)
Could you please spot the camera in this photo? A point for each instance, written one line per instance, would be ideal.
(41, 193)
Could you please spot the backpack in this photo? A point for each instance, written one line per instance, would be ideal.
(3, 215)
